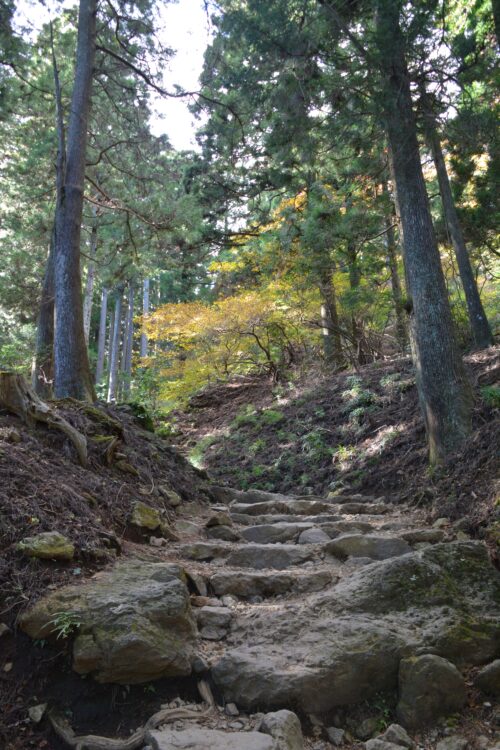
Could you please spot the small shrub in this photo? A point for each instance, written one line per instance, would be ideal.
(271, 416)
(491, 396)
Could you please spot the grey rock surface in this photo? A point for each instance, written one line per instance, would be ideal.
(277, 556)
(430, 687)
(284, 727)
(367, 545)
(132, 624)
(208, 739)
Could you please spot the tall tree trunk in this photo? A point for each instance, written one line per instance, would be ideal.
(445, 394)
(43, 365)
(128, 342)
(72, 371)
(101, 341)
(89, 284)
(145, 311)
(362, 356)
(115, 347)
(332, 342)
(481, 331)
(397, 293)
(109, 348)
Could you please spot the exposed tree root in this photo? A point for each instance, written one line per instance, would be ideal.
(19, 398)
(93, 742)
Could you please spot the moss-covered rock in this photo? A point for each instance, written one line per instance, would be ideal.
(145, 517)
(133, 624)
(48, 545)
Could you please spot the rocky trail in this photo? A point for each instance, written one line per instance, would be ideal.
(350, 619)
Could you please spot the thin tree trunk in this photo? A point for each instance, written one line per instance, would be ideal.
(109, 348)
(481, 331)
(89, 284)
(145, 311)
(129, 342)
(72, 371)
(397, 292)
(101, 341)
(332, 342)
(43, 365)
(115, 347)
(445, 394)
(362, 356)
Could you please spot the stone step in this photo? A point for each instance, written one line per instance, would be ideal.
(205, 551)
(367, 545)
(274, 533)
(343, 645)
(245, 585)
(274, 556)
(245, 519)
(292, 507)
(201, 738)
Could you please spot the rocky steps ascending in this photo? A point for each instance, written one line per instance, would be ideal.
(300, 603)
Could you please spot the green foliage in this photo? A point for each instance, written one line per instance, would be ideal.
(491, 396)
(65, 623)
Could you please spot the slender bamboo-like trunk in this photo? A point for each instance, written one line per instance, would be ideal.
(43, 364)
(397, 292)
(145, 311)
(101, 341)
(109, 347)
(128, 342)
(481, 331)
(445, 394)
(115, 347)
(89, 284)
(72, 371)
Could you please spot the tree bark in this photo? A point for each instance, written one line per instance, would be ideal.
(445, 394)
(101, 341)
(72, 371)
(115, 347)
(145, 311)
(397, 292)
(89, 284)
(363, 357)
(43, 365)
(128, 342)
(332, 342)
(481, 331)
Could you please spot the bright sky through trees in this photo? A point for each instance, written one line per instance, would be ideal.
(185, 26)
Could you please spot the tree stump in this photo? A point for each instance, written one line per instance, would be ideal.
(17, 397)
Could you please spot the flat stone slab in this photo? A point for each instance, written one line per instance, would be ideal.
(245, 585)
(416, 536)
(277, 556)
(274, 532)
(366, 545)
(205, 550)
(208, 739)
(372, 509)
(247, 520)
(293, 507)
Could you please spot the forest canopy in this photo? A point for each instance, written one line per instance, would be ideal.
(340, 207)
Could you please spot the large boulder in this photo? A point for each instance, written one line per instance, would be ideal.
(345, 644)
(429, 687)
(132, 624)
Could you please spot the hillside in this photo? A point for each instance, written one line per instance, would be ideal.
(359, 429)
(181, 585)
